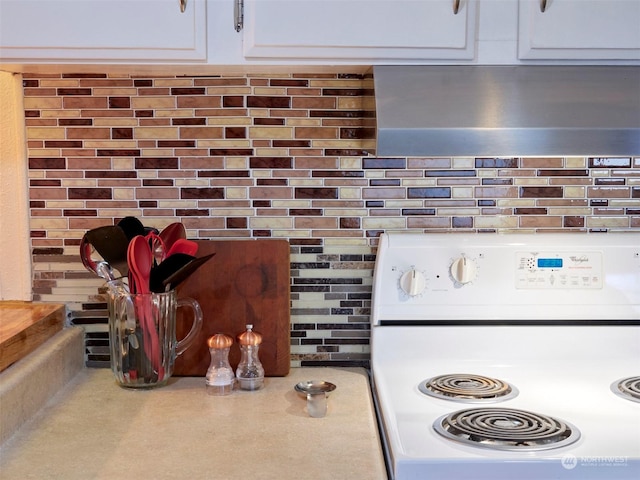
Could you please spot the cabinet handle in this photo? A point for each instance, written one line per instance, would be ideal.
(543, 6)
(183, 5)
(456, 6)
(238, 15)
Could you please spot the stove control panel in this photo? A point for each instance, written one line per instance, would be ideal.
(441, 277)
(559, 270)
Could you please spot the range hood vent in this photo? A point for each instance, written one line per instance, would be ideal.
(490, 111)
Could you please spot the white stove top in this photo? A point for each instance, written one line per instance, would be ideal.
(485, 325)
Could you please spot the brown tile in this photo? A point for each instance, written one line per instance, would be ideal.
(119, 102)
(545, 221)
(496, 192)
(315, 132)
(73, 91)
(315, 222)
(235, 132)
(563, 173)
(157, 91)
(89, 193)
(47, 163)
(89, 133)
(540, 192)
(313, 102)
(608, 192)
(270, 162)
(573, 221)
(146, 163)
(268, 102)
(179, 91)
(429, 222)
(530, 211)
(284, 82)
(311, 192)
(542, 162)
(103, 152)
(72, 103)
(188, 121)
(260, 193)
(199, 102)
(240, 222)
(201, 132)
(350, 222)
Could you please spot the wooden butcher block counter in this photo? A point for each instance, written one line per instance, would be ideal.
(24, 326)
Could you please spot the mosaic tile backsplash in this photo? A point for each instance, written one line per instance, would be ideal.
(280, 156)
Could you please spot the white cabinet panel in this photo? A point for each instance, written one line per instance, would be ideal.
(579, 30)
(102, 30)
(360, 30)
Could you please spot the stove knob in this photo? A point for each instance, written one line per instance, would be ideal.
(463, 270)
(413, 282)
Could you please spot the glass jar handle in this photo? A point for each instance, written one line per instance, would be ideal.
(195, 327)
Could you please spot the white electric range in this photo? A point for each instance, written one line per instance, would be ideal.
(508, 356)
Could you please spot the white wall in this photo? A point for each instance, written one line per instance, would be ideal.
(15, 257)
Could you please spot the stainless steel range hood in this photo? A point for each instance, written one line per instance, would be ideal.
(507, 110)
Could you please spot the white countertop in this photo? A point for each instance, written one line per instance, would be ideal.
(94, 429)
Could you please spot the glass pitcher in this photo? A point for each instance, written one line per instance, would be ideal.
(142, 336)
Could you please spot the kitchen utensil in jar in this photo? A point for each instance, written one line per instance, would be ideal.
(182, 245)
(171, 233)
(132, 227)
(160, 273)
(183, 273)
(111, 243)
(140, 259)
(99, 267)
(147, 317)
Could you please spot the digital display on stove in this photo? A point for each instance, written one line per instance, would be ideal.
(549, 263)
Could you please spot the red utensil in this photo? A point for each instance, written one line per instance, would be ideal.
(140, 259)
(182, 245)
(171, 233)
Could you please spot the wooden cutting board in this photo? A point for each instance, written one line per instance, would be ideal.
(246, 282)
(24, 326)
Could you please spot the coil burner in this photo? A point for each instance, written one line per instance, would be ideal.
(627, 388)
(506, 429)
(468, 388)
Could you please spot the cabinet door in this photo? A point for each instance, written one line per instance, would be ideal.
(579, 30)
(102, 30)
(359, 30)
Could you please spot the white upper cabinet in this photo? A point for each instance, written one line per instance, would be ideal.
(103, 30)
(372, 31)
(317, 32)
(579, 30)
